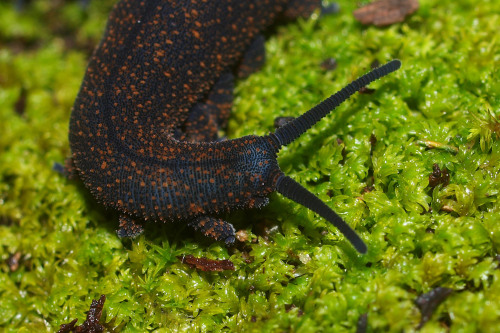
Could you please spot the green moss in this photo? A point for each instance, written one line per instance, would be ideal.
(302, 276)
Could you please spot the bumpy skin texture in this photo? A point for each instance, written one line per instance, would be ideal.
(157, 89)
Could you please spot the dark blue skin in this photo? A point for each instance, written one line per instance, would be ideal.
(143, 130)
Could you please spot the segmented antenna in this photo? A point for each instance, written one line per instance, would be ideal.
(295, 128)
(294, 191)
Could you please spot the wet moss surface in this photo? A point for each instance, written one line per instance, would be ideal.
(370, 161)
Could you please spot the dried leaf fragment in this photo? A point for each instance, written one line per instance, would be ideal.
(385, 12)
(366, 90)
(428, 302)
(207, 265)
(439, 176)
(362, 325)
(14, 261)
(91, 324)
(329, 64)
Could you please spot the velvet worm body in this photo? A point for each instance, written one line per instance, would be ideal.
(158, 88)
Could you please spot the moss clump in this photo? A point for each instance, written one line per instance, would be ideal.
(295, 273)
